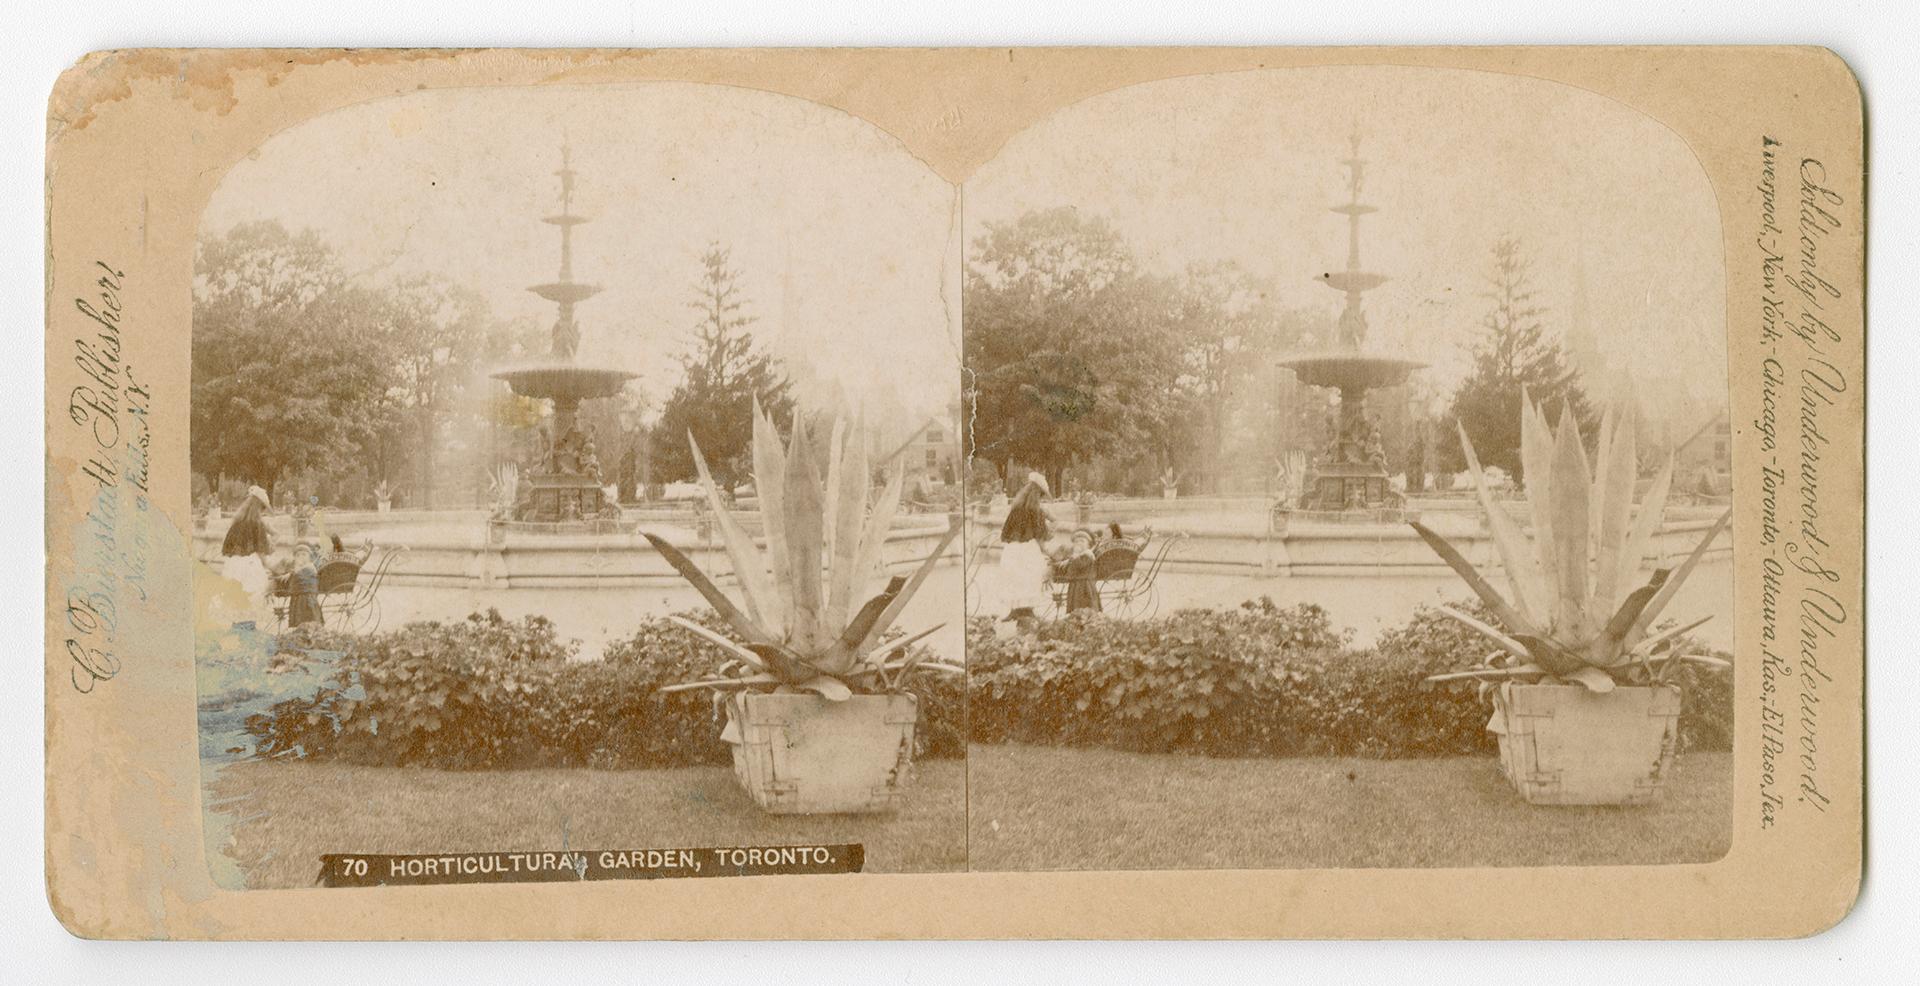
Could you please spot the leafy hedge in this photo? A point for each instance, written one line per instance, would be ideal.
(489, 693)
(1260, 680)
(1257, 681)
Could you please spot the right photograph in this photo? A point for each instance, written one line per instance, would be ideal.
(1348, 480)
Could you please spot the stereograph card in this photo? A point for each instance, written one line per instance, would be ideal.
(1336, 492)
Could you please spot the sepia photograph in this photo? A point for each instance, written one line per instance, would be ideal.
(545, 495)
(1349, 480)
(954, 493)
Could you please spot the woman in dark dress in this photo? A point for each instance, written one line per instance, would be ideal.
(244, 551)
(1023, 560)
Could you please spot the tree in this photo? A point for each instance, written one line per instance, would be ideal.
(1068, 348)
(1512, 355)
(1223, 322)
(725, 374)
(434, 332)
(288, 372)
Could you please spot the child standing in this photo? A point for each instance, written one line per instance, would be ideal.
(303, 588)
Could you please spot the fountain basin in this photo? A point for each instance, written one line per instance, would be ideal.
(561, 379)
(1351, 370)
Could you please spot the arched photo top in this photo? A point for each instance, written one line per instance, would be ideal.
(1610, 208)
(844, 241)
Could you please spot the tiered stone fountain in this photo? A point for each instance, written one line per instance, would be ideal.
(1349, 473)
(562, 485)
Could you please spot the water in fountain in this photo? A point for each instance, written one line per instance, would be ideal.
(563, 485)
(1349, 473)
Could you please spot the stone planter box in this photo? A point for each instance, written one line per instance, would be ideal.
(1565, 745)
(801, 754)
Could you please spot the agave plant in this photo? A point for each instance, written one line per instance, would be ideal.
(823, 539)
(1576, 614)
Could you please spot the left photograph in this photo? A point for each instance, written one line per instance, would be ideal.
(576, 474)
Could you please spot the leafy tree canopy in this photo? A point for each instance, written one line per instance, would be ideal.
(288, 366)
(1069, 347)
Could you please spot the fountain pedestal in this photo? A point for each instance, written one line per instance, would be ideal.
(1345, 486)
(558, 497)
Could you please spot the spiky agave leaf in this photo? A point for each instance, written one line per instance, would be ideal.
(739, 621)
(1508, 644)
(769, 484)
(743, 654)
(1490, 673)
(902, 666)
(826, 686)
(722, 684)
(899, 603)
(1647, 646)
(847, 647)
(1536, 459)
(1549, 654)
(1502, 611)
(1672, 585)
(784, 662)
(803, 528)
(1619, 466)
(1601, 467)
(749, 566)
(1593, 678)
(878, 524)
(1662, 665)
(1609, 648)
(845, 576)
(873, 542)
(1646, 521)
(836, 430)
(892, 647)
(1516, 555)
(1567, 530)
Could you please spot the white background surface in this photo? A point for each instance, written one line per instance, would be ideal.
(1876, 943)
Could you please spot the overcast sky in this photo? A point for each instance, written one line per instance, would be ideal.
(1244, 167)
(847, 245)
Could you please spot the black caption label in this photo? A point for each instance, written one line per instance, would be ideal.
(566, 865)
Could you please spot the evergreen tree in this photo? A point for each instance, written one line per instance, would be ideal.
(1512, 355)
(725, 372)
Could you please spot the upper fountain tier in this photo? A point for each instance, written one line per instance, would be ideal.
(555, 375)
(1346, 366)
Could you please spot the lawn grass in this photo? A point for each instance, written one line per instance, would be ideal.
(285, 814)
(1050, 808)
(1033, 808)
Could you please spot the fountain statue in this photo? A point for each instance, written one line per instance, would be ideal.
(1350, 470)
(562, 482)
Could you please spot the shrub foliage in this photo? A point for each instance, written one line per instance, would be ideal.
(488, 692)
(1258, 681)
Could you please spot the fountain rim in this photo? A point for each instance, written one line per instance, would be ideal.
(1322, 357)
(595, 378)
